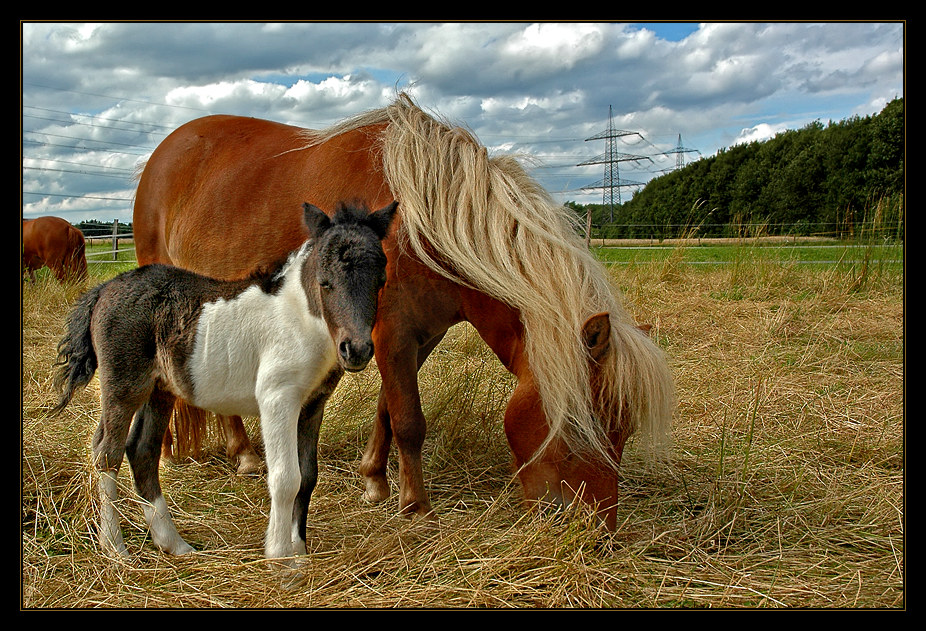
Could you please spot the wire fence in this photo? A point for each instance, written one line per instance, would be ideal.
(864, 234)
(113, 236)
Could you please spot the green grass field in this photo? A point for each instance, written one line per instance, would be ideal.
(825, 253)
(842, 253)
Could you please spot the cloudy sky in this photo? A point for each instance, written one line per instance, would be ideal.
(98, 98)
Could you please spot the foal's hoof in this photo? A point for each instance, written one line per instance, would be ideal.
(292, 570)
(116, 553)
(180, 549)
(293, 573)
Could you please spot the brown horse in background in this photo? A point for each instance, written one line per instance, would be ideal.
(53, 242)
(477, 240)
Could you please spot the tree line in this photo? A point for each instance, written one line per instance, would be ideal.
(835, 180)
(97, 228)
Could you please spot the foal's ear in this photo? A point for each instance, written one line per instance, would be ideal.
(597, 335)
(315, 220)
(381, 219)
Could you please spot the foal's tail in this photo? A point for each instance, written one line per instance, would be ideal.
(76, 358)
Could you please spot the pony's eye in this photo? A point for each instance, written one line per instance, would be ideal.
(324, 284)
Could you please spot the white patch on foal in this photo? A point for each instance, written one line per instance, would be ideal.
(248, 347)
(262, 354)
(163, 532)
(110, 532)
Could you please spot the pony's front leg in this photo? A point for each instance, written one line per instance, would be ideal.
(279, 420)
(400, 388)
(376, 455)
(399, 358)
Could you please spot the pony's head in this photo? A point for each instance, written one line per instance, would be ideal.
(555, 468)
(350, 270)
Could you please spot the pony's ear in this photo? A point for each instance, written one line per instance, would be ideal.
(597, 335)
(381, 219)
(315, 220)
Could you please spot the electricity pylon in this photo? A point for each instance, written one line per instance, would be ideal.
(680, 152)
(612, 182)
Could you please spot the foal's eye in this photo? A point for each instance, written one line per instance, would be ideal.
(324, 284)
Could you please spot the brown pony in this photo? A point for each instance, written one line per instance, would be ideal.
(477, 240)
(53, 242)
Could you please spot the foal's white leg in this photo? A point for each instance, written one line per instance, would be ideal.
(163, 532)
(279, 422)
(110, 533)
(298, 542)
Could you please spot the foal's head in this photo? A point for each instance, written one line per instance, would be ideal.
(350, 270)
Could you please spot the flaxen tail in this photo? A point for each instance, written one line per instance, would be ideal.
(76, 358)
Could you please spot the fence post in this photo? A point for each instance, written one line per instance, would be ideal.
(115, 239)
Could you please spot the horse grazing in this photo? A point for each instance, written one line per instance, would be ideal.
(53, 242)
(275, 345)
(477, 240)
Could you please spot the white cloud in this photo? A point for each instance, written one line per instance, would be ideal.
(214, 94)
(559, 45)
(758, 133)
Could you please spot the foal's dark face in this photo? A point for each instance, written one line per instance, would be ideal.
(350, 271)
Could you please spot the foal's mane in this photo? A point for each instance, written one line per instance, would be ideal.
(269, 277)
(503, 234)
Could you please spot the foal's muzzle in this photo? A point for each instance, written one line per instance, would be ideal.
(355, 355)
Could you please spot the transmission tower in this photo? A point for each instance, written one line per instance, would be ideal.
(680, 152)
(612, 182)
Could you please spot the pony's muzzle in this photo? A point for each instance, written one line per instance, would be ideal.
(353, 355)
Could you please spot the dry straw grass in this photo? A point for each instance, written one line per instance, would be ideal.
(786, 488)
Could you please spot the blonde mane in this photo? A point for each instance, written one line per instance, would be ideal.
(505, 236)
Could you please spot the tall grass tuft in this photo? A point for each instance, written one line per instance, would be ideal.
(882, 224)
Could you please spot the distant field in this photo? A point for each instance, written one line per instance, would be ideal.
(694, 251)
(723, 251)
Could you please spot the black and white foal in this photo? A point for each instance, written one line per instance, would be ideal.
(274, 345)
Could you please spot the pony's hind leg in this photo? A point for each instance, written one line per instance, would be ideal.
(238, 447)
(144, 449)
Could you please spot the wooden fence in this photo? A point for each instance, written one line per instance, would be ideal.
(113, 237)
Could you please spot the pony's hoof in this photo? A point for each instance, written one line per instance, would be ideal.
(249, 464)
(421, 516)
(376, 490)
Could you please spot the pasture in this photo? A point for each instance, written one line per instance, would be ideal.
(786, 486)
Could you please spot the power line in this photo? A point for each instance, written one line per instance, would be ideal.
(611, 183)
